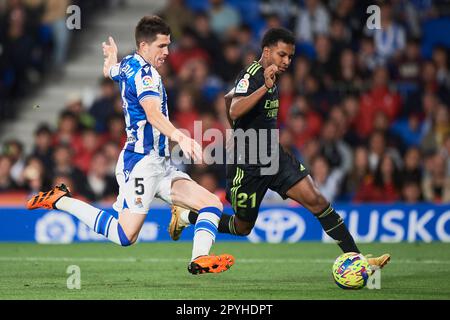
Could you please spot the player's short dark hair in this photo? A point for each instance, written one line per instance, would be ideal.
(149, 27)
(272, 36)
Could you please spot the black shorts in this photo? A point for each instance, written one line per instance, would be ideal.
(246, 187)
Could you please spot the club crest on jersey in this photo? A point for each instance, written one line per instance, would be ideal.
(242, 86)
(147, 82)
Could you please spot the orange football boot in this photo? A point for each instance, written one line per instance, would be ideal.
(211, 264)
(48, 199)
(378, 262)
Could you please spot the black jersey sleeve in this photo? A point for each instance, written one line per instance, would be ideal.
(249, 82)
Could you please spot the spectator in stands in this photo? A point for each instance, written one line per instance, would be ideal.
(440, 59)
(221, 111)
(102, 109)
(408, 66)
(350, 106)
(90, 143)
(43, 145)
(312, 20)
(409, 129)
(347, 80)
(34, 175)
(286, 92)
(55, 18)
(445, 150)
(412, 170)
(187, 112)
(100, 186)
(339, 117)
(327, 179)
(286, 10)
(14, 150)
(116, 130)
(206, 38)
(385, 185)
(230, 64)
(368, 59)
(378, 98)
(63, 165)
(67, 131)
(333, 149)
(75, 105)
(317, 96)
(359, 175)
(340, 36)
(310, 150)
(178, 16)
(390, 39)
(429, 81)
(187, 49)
(428, 105)
(223, 18)
(411, 192)
(381, 123)
(302, 69)
(18, 44)
(324, 63)
(287, 142)
(433, 139)
(6, 182)
(436, 182)
(377, 149)
(347, 12)
(111, 150)
(246, 39)
(303, 121)
(272, 20)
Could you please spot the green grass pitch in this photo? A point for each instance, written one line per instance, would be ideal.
(262, 271)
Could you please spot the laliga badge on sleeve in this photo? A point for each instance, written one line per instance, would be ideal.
(242, 86)
(147, 82)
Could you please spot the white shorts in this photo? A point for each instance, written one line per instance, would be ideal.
(142, 178)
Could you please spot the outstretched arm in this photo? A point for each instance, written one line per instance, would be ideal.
(110, 53)
(190, 147)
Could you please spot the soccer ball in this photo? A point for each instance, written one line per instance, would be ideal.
(351, 271)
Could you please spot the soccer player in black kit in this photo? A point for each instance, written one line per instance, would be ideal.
(253, 105)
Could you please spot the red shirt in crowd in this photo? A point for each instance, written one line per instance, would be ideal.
(378, 99)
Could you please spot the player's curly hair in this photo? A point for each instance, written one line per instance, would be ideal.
(272, 36)
(149, 27)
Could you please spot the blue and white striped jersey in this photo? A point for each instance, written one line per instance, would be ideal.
(139, 80)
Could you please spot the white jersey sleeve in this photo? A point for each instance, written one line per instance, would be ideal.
(147, 83)
(114, 72)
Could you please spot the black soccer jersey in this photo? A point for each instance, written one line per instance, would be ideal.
(264, 114)
(261, 118)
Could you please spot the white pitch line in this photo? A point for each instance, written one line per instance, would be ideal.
(158, 260)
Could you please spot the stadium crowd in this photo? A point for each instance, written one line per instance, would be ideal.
(366, 110)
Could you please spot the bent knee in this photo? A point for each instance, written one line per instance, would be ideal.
(126, 238)
(316, 202)
(211, 200)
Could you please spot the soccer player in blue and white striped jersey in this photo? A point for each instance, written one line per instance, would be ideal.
(143, 169)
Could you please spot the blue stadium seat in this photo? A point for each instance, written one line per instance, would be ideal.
(197, 5)
(406, 88)
(435, 32)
